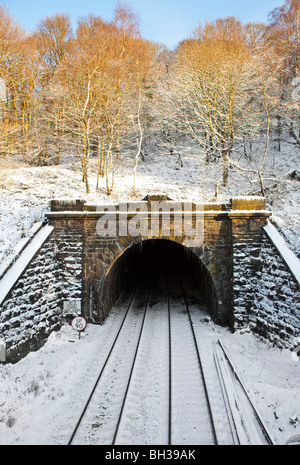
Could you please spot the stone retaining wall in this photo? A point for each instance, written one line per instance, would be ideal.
(33, 309)
(266, 296)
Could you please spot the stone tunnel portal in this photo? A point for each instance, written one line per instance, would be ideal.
(158, 262)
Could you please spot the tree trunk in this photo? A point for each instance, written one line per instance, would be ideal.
(225, 167)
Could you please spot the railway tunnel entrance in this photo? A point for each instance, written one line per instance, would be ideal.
(165, 266)
(88, 267)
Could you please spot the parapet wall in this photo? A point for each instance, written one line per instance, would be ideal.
(34, 307)
(266, 295)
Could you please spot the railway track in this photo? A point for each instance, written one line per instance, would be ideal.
(162, 383)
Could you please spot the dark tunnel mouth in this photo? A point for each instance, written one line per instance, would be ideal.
(154, 256)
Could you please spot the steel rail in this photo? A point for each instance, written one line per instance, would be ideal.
(237, 420)
(200, 363)
(227, 403)
(102, 370)
(170, 368)
(261, 424)
(131, 371)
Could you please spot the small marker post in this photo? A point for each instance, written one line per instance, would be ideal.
(79, 324)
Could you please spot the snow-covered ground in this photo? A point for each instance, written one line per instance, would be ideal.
(41, 396)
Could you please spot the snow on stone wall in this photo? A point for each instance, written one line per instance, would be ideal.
(266, 296)
(34, 307)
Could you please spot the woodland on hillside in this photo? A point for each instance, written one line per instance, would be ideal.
(103, 87)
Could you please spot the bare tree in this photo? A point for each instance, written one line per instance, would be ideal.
(284, 38)
(54, 34)
(209, 73)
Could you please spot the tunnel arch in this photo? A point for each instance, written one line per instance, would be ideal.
(155, 255)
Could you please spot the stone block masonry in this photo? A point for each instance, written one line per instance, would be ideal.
(33, 308)
(266, 295)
